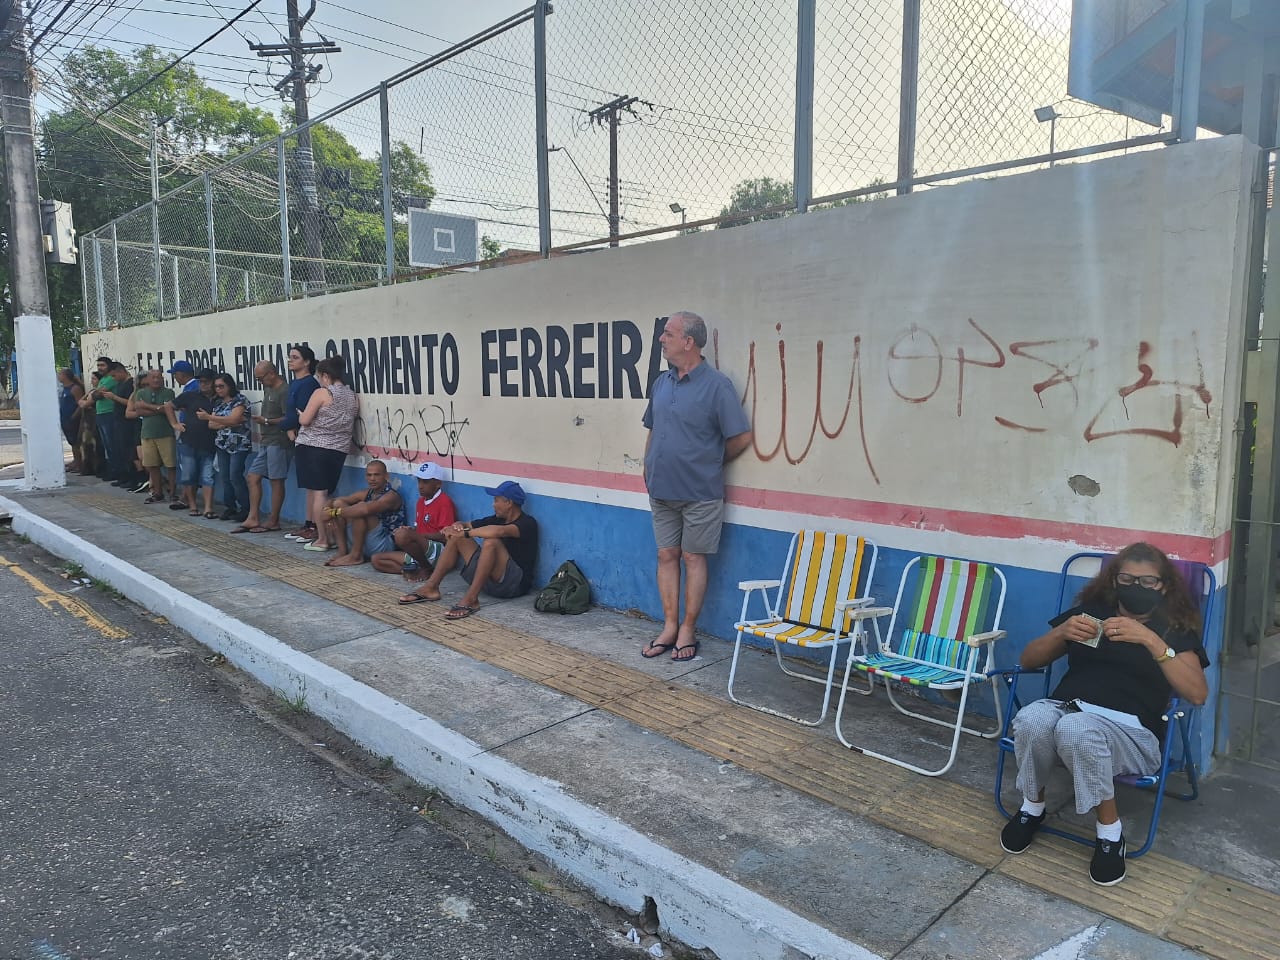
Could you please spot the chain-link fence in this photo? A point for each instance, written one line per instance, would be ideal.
(658, 117)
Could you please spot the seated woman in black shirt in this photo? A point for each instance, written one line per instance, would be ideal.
(1131, 640)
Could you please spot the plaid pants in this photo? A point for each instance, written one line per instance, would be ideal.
(1093, 748)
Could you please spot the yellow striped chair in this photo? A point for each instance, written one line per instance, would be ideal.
(813, 606)
(942, 634)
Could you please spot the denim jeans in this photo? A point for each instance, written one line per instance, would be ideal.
(107, 443)
(195, 467)
(233, 489)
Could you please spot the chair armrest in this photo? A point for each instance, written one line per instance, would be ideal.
(758, 584)
(991, 636)
(869, 613)
(855, 602)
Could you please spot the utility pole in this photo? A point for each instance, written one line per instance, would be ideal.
(28, 285)
(300, 74)
(610, 111)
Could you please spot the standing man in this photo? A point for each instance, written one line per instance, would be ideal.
(148, 406)
(104, 417)
(696, 425)
(302, 373)
(271, 459)
(184, 378)
(419, 547)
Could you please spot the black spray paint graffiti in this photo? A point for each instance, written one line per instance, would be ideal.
(411, 435)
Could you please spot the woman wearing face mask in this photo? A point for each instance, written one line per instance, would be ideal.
(1131, 640)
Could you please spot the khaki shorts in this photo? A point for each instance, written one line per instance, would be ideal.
(692, 525)
(159, 452)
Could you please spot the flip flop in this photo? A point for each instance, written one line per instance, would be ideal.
(154, 500)
(261, 529)
(461, 612)
(177, 505)
(210, 515)
(658, 649)
(194, 513)
(241, 529)
(693, 646)
(410, 598)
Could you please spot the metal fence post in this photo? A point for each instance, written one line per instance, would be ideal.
(806, 40)
(213, 245)
(99, 288)
(177, 291)
(908, 94)
(540, 119)
(155, 254)
(388, 215)
(286, 268)
(115, 266)
(1189, 45)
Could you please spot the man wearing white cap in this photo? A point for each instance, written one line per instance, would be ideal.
(419, 547)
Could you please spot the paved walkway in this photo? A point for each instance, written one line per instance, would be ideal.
(663, 787)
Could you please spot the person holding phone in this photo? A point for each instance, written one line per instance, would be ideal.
(1131, 640)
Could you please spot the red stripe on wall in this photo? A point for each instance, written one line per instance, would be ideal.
(1207, 550)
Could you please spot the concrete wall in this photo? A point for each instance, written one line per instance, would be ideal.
(1011, 370)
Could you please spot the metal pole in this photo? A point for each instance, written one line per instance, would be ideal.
(177, 292)
(282, 177)
(213, 244)
(99, 286)
(806, 39)
(1186, 70)
(155, 218)
(908, 95)
(540, 120)
(614, 201)
(115, 268)
(388, 215)
(1053, 134)
(28, 285)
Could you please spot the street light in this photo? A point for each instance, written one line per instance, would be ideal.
(676, 208)
(1050, 116)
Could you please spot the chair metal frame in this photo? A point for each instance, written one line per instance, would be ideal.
(1179, 719)
(962, 678)
(847, 610)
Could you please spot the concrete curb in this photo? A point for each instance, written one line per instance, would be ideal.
(695, 905)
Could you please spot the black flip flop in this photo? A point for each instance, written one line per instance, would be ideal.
(417, 598)
(693, 646)
(658, 650)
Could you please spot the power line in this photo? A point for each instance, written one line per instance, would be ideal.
(160, 73)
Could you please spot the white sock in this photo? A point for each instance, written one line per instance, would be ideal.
(1110, 831)
(1033, 808)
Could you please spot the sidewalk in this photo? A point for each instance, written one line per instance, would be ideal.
(752, 836)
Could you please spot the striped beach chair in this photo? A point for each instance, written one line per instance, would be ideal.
(812, 608)
(942, 633)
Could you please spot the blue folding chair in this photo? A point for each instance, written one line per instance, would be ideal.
(1179, 717)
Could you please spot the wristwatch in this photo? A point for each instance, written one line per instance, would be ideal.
(1169, 654)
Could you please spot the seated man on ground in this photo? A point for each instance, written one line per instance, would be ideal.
(1131, 639)
(419, 547)
(372, 513)
(500, 565)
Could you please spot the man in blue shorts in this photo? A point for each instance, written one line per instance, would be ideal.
(696, 425)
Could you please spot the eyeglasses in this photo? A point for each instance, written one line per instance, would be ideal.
(221, 386)
(1128, 580)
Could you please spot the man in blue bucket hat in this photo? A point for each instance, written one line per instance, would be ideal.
(496, 554)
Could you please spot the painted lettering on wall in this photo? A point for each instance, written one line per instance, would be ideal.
(585, 361)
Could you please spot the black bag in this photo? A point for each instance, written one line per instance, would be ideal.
(568, 591)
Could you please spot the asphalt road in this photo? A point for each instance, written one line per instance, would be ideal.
(147, 809)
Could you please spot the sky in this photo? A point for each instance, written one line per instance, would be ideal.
(714, 82)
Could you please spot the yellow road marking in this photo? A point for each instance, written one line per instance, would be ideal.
(51, 599)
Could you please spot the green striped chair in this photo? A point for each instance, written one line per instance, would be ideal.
(815, 601)
(942, 638)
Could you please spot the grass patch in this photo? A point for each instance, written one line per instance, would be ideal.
(296, 703)
(105, 588)
(71, 570)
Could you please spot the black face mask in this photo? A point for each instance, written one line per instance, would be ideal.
(1137, 599)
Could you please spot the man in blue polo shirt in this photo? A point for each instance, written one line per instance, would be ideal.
(696, 425)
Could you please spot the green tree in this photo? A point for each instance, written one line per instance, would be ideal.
(751, 196)
(490, 249)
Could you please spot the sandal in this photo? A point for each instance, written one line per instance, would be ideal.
(461, 612)
(689, 646)
(210, 515)
(409, 598)
(658, 649)
(154, 500)
(179, 505)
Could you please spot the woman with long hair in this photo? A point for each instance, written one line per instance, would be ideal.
(1132, 639)
(230, 418)
(69, 414)
(324, 441)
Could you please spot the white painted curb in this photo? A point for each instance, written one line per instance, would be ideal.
(696, 906)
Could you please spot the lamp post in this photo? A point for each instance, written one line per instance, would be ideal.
(676, 208)
(1049, 115)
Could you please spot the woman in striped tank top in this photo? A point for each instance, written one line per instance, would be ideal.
(325, 440)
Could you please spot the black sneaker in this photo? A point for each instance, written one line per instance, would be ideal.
(1107, 866)
(1019, 831)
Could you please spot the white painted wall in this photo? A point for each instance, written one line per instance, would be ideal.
(948, 360)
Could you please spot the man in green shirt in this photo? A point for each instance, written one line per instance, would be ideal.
(104, 410)
(147, 404)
